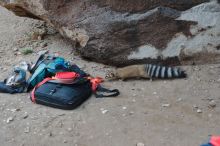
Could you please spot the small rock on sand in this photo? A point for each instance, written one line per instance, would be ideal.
(212, 103)
(15, 49)
(166, 105)
(25, 115)
(124, 107)
(27, 130)
(10, 119)
(104, 111)
(195, 106)
(140, 144)
(199, 111)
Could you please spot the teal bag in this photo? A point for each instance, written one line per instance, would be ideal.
(37, 77)
(59, 64)
(46, 67)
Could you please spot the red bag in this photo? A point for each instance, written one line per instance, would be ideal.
(65, 77)
(215, 140)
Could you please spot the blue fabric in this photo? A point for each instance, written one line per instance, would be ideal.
(208, 144)
(6, 89)
(58, 64)
(15, 83)
(38, 76)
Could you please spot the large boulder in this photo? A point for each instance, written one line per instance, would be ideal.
(122, 32)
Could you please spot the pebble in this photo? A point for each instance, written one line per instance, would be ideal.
(165, 105)
(199, 111)
(134, 95)
(10, 119)
(50, 134)
(64, 141)
(25, 116)
(104, 111)
(124, 107)
(140, 144)
(43, 44)
(27, 130)
(195, 106)
(69, 129)
(179, 99)
(61, 114)
(15, 49)
(131, 113)
(212, 103)
(39, 38)
(154, 93)
(14, 110)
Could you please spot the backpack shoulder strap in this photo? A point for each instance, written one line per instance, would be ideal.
(33, 99)
(98, 89)
(37, 63)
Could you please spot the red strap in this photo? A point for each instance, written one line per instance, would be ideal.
(95, 82)
(38, 85)
(215, 140)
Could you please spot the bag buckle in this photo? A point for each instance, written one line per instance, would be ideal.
(52, 91)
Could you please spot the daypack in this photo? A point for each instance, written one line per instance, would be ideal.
(66, 90)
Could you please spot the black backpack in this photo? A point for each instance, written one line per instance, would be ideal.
(63, 96)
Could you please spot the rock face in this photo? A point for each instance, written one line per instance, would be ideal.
(122, 32)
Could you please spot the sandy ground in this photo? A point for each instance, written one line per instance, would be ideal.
(136, 116)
